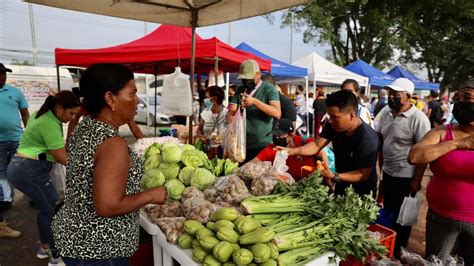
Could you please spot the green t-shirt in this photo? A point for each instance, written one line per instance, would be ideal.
(259, 124)
(42, 135)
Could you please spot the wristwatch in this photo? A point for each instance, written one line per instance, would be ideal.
(336, 178)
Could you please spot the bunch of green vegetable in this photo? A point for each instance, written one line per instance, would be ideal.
(231, 239)
(308, 221)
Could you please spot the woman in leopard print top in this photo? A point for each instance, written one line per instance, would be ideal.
(98, 222)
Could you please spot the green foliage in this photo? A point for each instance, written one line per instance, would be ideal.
(358, 29)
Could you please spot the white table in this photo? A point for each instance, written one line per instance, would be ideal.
(164, 252)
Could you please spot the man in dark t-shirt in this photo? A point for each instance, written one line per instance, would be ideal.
(288, 110)
(434, 109)
(355, 144)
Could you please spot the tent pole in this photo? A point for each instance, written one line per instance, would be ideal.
(216, 71)
(227, 89)
(147, 102)
(156, 83)
(307, 107)
(194, 18)
(57, 77)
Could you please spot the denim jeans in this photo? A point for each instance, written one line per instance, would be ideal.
(96, 262)
(7, 150)
(32, 178)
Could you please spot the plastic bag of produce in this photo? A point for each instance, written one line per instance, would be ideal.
(172, 228)
(279, 169)
(210, 194)
(172, 209)
(198, 209)
(192, 192)
(408, 215)
(263, 185)
(252, 170)
(231, 189)
(236, 137)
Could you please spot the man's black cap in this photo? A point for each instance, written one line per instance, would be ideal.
(4, 69)
(284, 126)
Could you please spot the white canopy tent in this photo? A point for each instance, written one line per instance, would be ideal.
(322, 71)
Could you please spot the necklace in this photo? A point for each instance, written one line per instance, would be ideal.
(107, 121)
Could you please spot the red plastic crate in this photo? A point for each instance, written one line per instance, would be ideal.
(388, 237)
(388, 240)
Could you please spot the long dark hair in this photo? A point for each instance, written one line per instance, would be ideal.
(66, 99)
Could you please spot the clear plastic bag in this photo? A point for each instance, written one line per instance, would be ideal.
(231, 189)
(176, 95)
(409, 211)
(171, 227)
(279, 169)
(198, 209)
(252, 170)
(409, 258)
(235, 144)
(172, 209)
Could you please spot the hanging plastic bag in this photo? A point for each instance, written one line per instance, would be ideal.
(58, 175)
(408, 215)
(176, 97)
(236, 137)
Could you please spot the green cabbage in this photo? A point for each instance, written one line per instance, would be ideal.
(152, 162)
(153, 149)
(172, 154)
(152, 178)
(202, 179)
(170, 170)
(167, 145)
(187, 147)
(194, 158)
(175, 189)
(185, 174)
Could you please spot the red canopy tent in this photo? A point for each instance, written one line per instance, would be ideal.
(161, 51)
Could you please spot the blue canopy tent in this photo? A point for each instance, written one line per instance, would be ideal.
(280, 70)
(375, 75)
(400, 72)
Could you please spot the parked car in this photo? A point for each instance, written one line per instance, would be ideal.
(160, 119)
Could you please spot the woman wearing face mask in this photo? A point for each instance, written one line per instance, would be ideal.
(212, 126)
(449, 150)
(283, 136)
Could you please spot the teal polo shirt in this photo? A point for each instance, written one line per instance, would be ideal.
(41, 135)
(11, 101)
(259, 124)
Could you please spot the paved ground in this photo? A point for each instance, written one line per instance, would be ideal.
(22, 251)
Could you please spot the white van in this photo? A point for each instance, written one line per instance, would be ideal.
(37, 82)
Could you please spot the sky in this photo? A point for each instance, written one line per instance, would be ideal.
(59, 28)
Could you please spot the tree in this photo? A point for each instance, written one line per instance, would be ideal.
(358, 29)
(439, 36)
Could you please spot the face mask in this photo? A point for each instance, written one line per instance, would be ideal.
(395, 103)
(207, 103)
(280, 141)
(463, 112)
(249, 85)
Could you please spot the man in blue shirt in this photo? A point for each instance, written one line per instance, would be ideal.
(12, 104)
